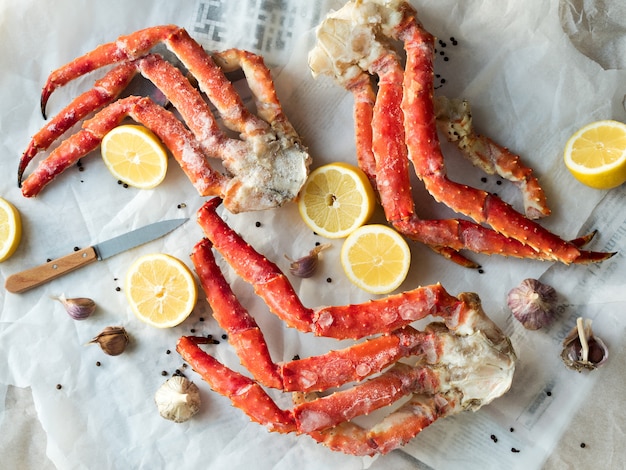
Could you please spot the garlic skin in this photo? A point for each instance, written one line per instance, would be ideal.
(305, 267)
(582, 350)
(178, 399)
(533, 303)
(113, 340)
(79, 308)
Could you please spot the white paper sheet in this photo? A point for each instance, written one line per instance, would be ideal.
(530, 88)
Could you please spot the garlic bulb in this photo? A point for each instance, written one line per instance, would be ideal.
(582, 350)
(79, 308)
(533, 303)
(178, 399)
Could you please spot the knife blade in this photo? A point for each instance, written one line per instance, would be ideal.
(34, 277)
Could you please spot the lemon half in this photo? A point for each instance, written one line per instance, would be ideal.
(336, 199)
(161, 290)
(376, 258)
(596, 154)
(10, 229)
(135, 156)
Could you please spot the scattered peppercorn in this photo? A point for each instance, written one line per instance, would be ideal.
(549, 393)
(118, 289)
(514, 450)
(481, 271)
(257, 224)
(168, 352)
(164, 373)
(499, 182)
(76, 248)
(494, 438)
(483, 179)
(329, 280)
(511, 429)
(583, 445)
(296, 357)
(98, 364)
(181, 205)
(59, 386)
(201, 318)
(224, 337)
(193, 330)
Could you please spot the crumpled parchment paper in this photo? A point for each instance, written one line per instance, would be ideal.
(597, 28)
(530, 88)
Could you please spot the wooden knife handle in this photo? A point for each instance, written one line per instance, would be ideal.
(24, 280)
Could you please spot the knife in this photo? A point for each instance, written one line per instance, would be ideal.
(24, 280)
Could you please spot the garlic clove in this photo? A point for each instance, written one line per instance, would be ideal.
(113, 340)
(79, 308)
(582, 350)
(533, 303)
(305, 267)
(178, 399)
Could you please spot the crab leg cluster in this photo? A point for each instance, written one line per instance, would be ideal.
(397, 127)
(461, 363)
(264, 169)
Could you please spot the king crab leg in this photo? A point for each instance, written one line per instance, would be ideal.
(264, 169)
(176, 137)
(309, 374)
(382, 154)
(438, 383)
(340, 322)
(103, 93)
(403, 126)
(454, 119)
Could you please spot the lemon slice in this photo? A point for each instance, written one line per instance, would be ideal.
(376, 258)
(596, 154)
(161, 290)
(135, 156)
(336, 199)
(10, 229)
